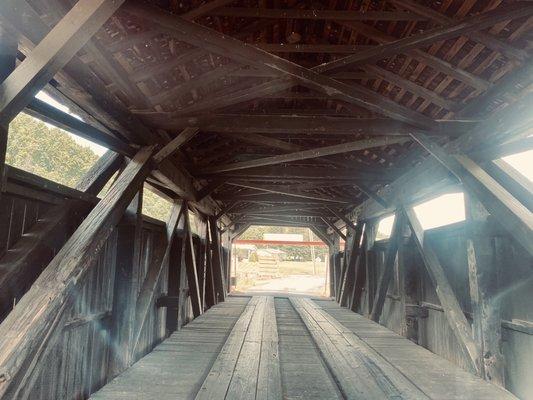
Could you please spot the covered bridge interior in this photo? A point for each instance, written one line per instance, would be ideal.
(326, 114)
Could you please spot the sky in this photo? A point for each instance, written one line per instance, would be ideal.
(99, 150)
(522, 162)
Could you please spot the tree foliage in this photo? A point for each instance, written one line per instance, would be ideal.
(53, 154)
(47, 151)
(293, 252)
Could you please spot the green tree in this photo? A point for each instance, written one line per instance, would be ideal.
(53, 154)
(47, 151)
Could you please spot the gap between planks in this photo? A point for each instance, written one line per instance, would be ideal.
(360, 372)
(247, 366)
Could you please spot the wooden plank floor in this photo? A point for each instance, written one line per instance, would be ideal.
(268, 348)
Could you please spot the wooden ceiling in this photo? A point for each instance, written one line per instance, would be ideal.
(266, 81)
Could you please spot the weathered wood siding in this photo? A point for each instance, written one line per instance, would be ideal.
(515, 284)
(82, 360)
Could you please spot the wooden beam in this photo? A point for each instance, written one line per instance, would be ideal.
(146, 297)
(388, 267)
(191, 267)
(174, 177)
(125, 286)
(173, 146)
(275, 222)
(204, 9)
(244, 53)
(321, 233)
(467, 25)
(308, 154)
(260, 140)
(361, 264)
(272, 142)
(314, 214)
(303, 174)
(209, 189)
(223, 98)
(352, 255)
(487, 39)
(310, 48)
(49, 114)
(118, 116)
(421, 56)
(291, 192)
(335, 229)
(339, 215)
(220, 284)
(512, 180)
(292, 124)
(510, 125)
(484, 293)
(278, 198)
(276, 13)
(20, 265)
(32, 328)
(52, 53)
(452, 309)
(412, 87)
(521, 77)
(201, 81)
(508, 211)
(8, 59)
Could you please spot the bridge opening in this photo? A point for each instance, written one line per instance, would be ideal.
(280, 259)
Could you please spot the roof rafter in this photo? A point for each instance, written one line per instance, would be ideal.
(247, 54)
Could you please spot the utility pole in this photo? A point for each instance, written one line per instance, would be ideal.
(312, 238)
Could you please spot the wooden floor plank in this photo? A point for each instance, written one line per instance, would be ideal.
(177, 367)
(360, 372)
(438, 378)
(243, 383)
(303, 372)
(218, 380)
(267, 348)
(269, 377)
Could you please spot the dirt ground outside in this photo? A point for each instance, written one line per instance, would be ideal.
(298, 277)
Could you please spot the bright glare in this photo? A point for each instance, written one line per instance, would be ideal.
(385, 228)
(443, 210)
(99, 150)
(522, 162)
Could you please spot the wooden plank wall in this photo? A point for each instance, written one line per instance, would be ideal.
(82, 360)
(18, 215)
(412, 285)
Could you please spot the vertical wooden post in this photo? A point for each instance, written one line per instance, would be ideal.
(351, 266)
(359, 268)
(44, 308)
(124, 295)
(368, 269)
(174, 270)
(183, 284)
(452, 309)
(348, 247)
(201, 268)
(388, 268)
(409, 289)
(210, 294)
(8, 57)
(333, 253)
(191, 267)
(219, 275)
(211, 290)
(483, 279)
